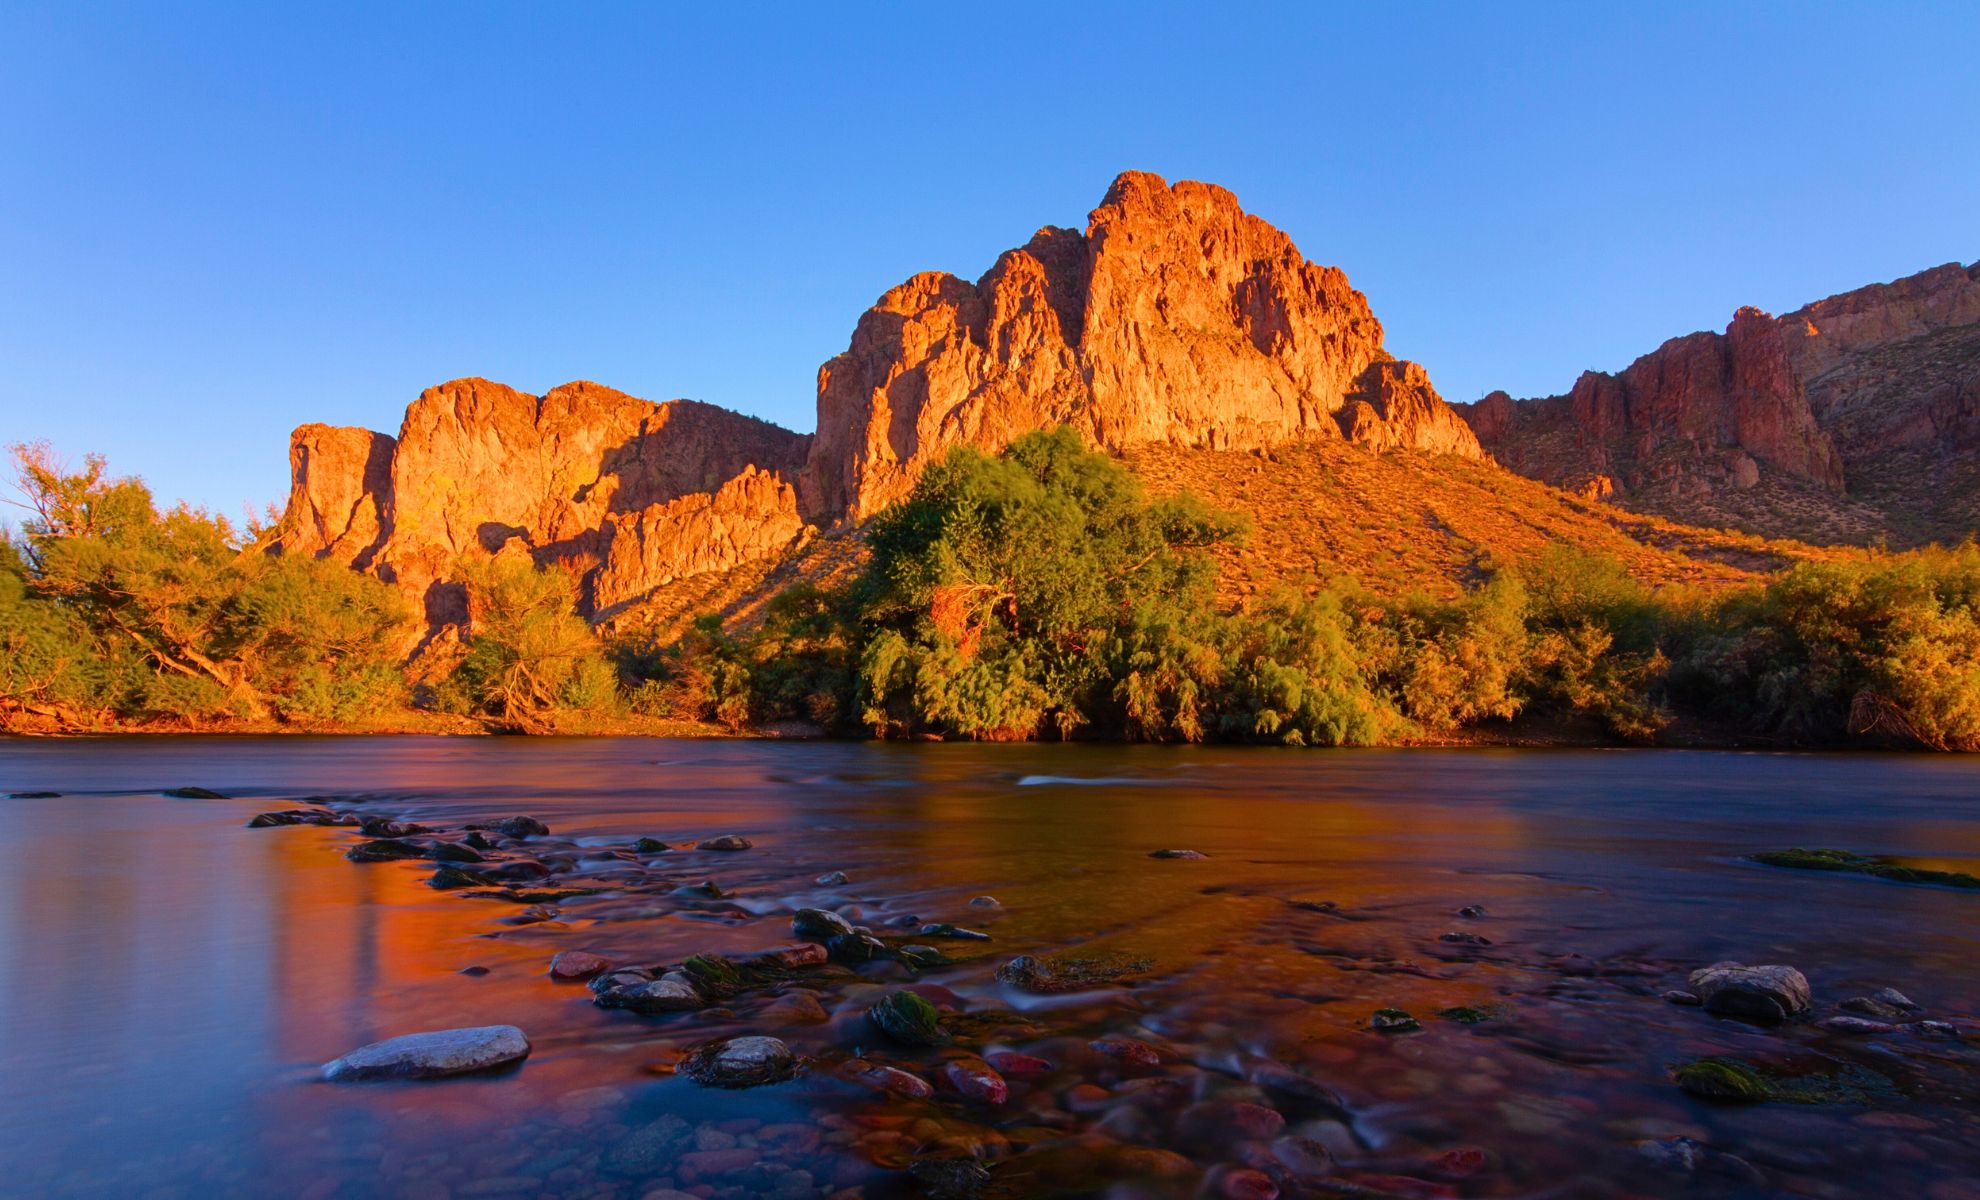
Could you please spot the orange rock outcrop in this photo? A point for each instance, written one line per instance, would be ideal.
(1175, 317)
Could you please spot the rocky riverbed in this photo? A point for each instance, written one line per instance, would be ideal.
(1182, 977)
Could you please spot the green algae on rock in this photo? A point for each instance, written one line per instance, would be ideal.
(906, 1017)
(1799, 859)
(1724, 1080)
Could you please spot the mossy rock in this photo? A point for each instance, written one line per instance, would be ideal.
(714, 976)
(1464, 1014)
(1799, 859)
(908, 1019)
(1723, 1080)
(648, 845)
(1731, 1081)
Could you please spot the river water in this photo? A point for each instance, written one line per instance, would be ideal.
(174, 980)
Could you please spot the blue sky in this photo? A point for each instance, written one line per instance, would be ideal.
(217, 222)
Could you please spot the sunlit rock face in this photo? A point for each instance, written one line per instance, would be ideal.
(1174, 317)
(1873, 394)
(478, 467)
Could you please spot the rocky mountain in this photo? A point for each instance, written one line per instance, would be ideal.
(1175, 318)
(1849, 419)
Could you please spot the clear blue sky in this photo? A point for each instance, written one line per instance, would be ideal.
(217, 222)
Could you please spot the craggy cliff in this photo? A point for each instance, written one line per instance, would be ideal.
(1174, 318)
(1848, 419)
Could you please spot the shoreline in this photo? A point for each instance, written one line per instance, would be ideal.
(1535, 735)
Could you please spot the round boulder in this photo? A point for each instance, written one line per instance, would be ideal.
(1769, 994)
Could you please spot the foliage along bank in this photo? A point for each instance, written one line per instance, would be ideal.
(1037, 593)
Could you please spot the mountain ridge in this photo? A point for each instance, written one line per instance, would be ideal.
(1174, 317)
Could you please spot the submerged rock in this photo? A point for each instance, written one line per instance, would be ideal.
(448, 878)
(382, 827)
(730, 842)
(1896, 999)
(832, 879)
(298, 816)
(1722, 1079)
(740, 1063)
(650, 997)
(857, 947)
(950, 1178)
(649, 845)
(1393, 1020)
(954, 931)
(908, 1019)
(1870, 1006)
(1128, 1050)
(1185, 854)
(1771, 994)
(385, 850)
(1687, 999)
(1858, 864)
(519, 827)
(977, 1080)
(454, 852)
(984, 902)
(574, 965)
(432, 1055)
(888, 1079)
(819, 924)
(1460, 938)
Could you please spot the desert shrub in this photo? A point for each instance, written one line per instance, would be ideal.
(528, 654)
(179, 613)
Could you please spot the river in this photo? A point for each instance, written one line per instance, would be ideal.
(174, 980)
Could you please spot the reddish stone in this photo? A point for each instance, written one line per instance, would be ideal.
(577, 964)
(1461, 1162)
(977, 1079)
(1129, 1051)
(1246, 1184)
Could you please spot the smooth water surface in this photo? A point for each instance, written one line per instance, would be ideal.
(173, 980)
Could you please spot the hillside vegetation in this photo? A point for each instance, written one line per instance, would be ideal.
(1046, 591)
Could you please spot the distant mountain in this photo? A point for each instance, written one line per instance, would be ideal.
(1853, 419)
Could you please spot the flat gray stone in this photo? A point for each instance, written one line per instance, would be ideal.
(433, 1055)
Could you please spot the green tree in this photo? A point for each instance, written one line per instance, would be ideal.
(528, 654)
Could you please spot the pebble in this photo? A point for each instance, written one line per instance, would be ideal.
(1184, 854)
(832, 879)
(1689, 999)
(727, 842)
(984, 902)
